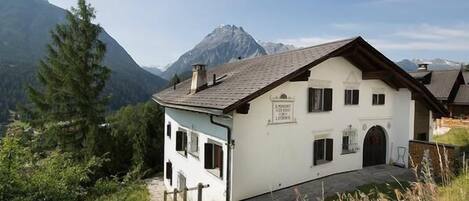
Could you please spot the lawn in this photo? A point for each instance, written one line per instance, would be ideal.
(455, 136)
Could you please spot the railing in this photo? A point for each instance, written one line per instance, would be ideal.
(174, 193)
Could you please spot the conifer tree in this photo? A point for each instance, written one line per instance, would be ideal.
(174, 80)
(69, 104)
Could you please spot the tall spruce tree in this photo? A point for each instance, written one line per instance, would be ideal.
(69, 104)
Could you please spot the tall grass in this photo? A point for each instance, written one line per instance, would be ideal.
(427, 187)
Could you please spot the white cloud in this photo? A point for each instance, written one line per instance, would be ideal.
(418, 37)
(347, 26)
(430, 32)
(308, 41)
(419, 45)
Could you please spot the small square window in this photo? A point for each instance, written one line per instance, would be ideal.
(352, 96)
(194, 144)
(319, 99)
(378, 99)
(322, 151)
(181, 142)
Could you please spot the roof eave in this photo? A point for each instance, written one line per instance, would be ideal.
(216, 112)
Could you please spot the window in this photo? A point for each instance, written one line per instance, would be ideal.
(323, 150)
(378, 99)
(349, 140)
(214, 159)
(194, 144)
(351, 96)
(181, 142)
(181, 181)
(169, 172)
(319, 99)
(168, 129)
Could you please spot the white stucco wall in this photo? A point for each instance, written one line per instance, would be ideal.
(190, 166)
(269, 157)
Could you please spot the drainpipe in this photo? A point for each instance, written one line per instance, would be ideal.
(228, 156)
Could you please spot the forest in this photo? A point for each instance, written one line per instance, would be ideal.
(66, 144)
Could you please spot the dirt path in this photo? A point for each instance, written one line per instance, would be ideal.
(156, 188)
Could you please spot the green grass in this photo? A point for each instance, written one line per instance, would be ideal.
(457, 190)
(455, 136)
(387, 189)
(131, 192)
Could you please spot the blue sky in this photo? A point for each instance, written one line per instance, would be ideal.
(157, 32)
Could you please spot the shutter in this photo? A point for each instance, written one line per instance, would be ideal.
(208, 153)
(168, 130)
(179, 141)
(327, 99)
(329, 149)
(315, 152)
(356, 95)
(347, 97)
(169, 170)
(381, 99)
(184, 143)
(310, 99)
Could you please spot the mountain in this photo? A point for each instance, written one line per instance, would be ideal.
(222, 45)
(273, 48)
(24, 32)
(153, 70)
(407, 65)
(434, 64)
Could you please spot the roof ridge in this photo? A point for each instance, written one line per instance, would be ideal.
(295, 50)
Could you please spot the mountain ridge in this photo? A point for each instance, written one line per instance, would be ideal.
(25, 31)
(224, 44)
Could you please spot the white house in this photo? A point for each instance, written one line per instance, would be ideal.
(258, 125)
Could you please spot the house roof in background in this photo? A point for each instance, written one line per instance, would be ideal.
(247, 79)
(462, 98)
(465, 74)
(442, 82)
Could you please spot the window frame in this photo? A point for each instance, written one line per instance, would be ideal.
(312, 98)
(196, 153)
(349, 101)
(214, 168)
(184, 142)
(327, 156)
(351, 135)
(183, 177)
(376, 101)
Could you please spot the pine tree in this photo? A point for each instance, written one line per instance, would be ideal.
(175, 80)
(69, 104)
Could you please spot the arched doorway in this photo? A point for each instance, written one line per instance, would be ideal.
(374, 147)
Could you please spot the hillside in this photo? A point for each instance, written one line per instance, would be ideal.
(24, 33)
(222, 45)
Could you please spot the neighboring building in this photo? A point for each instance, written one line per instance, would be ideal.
(448, 86)
(257, 125)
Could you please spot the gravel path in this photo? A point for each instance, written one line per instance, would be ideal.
(156, 188)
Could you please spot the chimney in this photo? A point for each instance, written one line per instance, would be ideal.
(423, 67)
(199, 78)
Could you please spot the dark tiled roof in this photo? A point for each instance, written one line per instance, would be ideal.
(246, 77)
(419, 74)
(462, 98)
(465, 74)
(442, 82)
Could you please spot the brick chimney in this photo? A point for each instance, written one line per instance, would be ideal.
(199, 78)
(423, 67)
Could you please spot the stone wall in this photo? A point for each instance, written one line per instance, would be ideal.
(436, 153)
